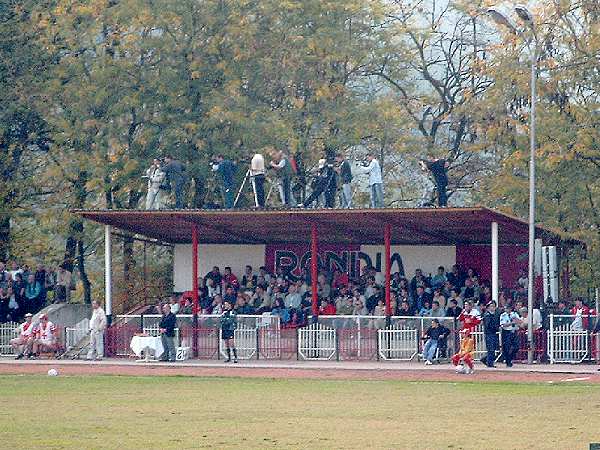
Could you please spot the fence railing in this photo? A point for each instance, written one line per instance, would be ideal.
(567, 339)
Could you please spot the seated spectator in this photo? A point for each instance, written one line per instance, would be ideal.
(230, 296)
(420, 298)
(522, 283)
(323, 288)
(418, 280)
(370, 289)
(453, 310)
(249, 280)
(45, 336)
(425, 311)
(261, 300)
(215, 276)
(262, 272)
(438, 297)
(433, 335)
(188, 307)
(436, 309)
(438, 280)
(281, 311)
(339, 279)
(297, 320)
(373, 299)
(217, 305)
(469, 291)
(344, 305)
(456, 277)
(14, 270)
(379, 309)
(24, 342)
(359, 307)
(293, 300)
(326, 308)
(405, 309)
(212, 288)
(230, 280)
(241, 304)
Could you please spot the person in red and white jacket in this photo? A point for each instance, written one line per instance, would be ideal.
(469, 317)
(24, 342)
(581, 312)
(45, 336)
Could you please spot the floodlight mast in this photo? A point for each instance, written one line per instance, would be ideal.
(527, 17)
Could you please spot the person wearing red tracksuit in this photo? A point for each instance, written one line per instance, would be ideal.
(466, 352)
(469, 317)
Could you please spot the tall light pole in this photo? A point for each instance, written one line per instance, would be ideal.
(527, 18)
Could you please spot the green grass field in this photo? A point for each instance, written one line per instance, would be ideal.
(176, 412)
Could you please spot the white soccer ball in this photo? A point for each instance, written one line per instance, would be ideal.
(53, 373)
(460, 369)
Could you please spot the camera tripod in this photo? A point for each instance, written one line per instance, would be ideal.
(248, 180)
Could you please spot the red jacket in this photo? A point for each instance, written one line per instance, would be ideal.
(329, 310)
(468, 321)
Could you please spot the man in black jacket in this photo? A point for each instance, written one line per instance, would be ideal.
(325, 182)
(167, 333)
(345, 172)
(175, 172)
(434, 334)
(439, 168)
(491, 326)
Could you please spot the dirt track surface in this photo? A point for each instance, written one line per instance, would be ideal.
(446, 374)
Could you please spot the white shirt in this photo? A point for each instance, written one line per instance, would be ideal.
(257, 165)
(13, 273)
(374, 171)
(25, 329)
(98, 320)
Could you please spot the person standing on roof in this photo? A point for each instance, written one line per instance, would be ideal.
(373, 169)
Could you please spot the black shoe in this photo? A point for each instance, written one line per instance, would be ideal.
(508, 364)
(235, 361)
(163, 360)
(228, 360)
(19, 356)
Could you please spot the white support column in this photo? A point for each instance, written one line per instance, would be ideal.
(495, 262)
(107, 273)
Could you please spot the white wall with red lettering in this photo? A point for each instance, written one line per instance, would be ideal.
(234, 256)
(428, 258)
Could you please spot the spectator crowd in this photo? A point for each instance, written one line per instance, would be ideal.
(454, 294)
(26, 290)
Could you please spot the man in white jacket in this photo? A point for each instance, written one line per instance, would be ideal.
(375, 181)
(97, 327)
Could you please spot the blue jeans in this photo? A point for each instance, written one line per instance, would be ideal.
(377, 195)
(429, 349)
(346, 195)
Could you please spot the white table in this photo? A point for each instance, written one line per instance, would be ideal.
(146, 344)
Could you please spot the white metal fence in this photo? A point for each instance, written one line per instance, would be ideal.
(74, 335)
(245, 342)
(568, 338)
(398, 343)
(317, 342)
(8, 331)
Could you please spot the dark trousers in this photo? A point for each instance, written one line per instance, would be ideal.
(442, 195)
(491, 344)
(314, 195)
(178, 188)
(508, 346)
(286, 185)
(330, 198)
(258, 184)
(228, 196)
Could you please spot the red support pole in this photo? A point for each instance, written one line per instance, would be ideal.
(195, 299)
(314, 270)
(388, 268)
